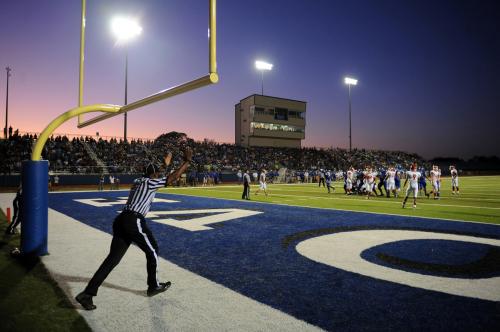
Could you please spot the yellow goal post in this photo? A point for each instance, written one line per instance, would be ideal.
(109, 110)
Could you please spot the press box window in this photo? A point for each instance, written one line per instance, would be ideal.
(276, 127)
(296, 114)
(280, 114)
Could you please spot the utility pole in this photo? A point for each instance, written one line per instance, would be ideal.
(5, 130)
(350, 122)
(126, 97)
(350, 81)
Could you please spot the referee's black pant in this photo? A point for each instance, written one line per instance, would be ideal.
(17, 218)
(246, 191)
(381, 185)
(128, 227)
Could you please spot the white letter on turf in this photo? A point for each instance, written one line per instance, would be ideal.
(198, 224)
(343, 250)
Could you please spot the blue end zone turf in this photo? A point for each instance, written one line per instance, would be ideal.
(256, 256)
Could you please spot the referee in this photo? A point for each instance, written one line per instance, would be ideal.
(130, 227)
(18, 211)
(246, 186)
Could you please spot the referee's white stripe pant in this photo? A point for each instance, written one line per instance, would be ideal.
(128, 227)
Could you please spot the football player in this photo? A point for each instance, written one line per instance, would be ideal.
(454, 180)
(422, 184)
(397, 181)
(328, 179)
(262, 183)
(348, 181)
(413, 176)
(390, 179)
(435, 178)
(369, 179)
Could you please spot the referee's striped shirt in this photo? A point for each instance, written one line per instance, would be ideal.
(142, 194)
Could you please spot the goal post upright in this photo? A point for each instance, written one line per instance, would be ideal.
(82, 54)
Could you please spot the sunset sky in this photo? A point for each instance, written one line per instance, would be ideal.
(429, 71)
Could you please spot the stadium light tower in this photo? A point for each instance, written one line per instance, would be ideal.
(7, 103)
(350, 81)
(262, 66)
(125, 29)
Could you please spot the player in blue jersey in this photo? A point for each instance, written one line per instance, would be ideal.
(328, 180)
(381, 182)
(397, 182)
(422, 183)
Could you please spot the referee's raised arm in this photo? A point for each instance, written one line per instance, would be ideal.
(188, 156)
(155, 182)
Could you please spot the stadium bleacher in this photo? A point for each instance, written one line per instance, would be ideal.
(72, 155)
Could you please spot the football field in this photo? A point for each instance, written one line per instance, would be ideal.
(298, 260)
(305, 259)
(479, 199)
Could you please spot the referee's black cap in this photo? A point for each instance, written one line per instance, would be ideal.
(151, 169)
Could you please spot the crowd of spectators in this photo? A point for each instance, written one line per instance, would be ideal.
(118, 156)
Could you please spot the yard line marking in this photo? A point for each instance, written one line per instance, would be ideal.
(375, 201)
(347, 210)
(442, 197)
(314, 191)
(325, 208)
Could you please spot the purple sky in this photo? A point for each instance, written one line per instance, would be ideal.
(429, 71)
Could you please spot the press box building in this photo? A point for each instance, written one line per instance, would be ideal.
(270, 121)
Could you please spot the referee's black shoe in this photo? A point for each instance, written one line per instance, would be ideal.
(163, 286)
(86, 301)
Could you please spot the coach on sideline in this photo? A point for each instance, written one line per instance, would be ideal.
(130, 227)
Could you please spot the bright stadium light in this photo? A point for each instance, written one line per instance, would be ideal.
(262, 66)
(125, 28)
(350, 81)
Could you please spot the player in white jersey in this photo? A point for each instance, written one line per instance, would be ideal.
(390, 179)
(262, 182)
(369, 179)
(435, 175)
(439, 182)
(348, 181)
(454, 180)
(412, 176)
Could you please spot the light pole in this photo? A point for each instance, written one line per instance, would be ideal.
(126, 96)
(7, 104)
(125, 29)
(350, 81)
(262, 65)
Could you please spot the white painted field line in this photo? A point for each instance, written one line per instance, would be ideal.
(307, 188)
(448, 196)
(347, 210)
(451, 197)
(375, 201)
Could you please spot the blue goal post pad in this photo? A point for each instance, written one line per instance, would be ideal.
(34, 225)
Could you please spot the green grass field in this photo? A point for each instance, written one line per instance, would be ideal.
(479, 199)
(30, 300)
